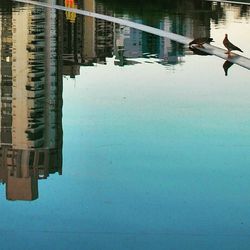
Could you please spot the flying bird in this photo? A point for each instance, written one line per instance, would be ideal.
(201, 40)
(229, 45)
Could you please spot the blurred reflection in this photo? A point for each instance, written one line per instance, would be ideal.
(31, 102)
(226, 66)
(199, 52)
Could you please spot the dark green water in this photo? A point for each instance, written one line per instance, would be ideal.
(116, 139)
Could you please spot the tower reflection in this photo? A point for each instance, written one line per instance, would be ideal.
(31, 101)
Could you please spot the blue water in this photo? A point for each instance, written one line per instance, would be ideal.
(154, 157)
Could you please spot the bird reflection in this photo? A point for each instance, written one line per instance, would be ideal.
(226, 66)
(197, 51)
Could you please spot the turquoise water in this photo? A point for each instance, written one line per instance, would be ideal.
(155, 153)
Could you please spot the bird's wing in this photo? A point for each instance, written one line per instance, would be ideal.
(232, 46)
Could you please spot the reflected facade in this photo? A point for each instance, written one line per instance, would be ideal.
(31, 102)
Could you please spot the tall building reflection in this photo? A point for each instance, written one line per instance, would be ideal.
(31, 101)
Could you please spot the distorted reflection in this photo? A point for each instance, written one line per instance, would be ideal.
(197, 51)
(226, 66)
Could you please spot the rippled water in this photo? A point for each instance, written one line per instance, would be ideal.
(112, 138)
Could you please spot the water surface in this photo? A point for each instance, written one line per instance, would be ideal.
(112, 138)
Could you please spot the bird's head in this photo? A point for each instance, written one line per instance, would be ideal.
(225, 35)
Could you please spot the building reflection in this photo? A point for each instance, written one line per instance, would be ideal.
(87, 41)
(38, 47)
(31, 101)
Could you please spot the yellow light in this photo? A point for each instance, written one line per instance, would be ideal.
(70, 16)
